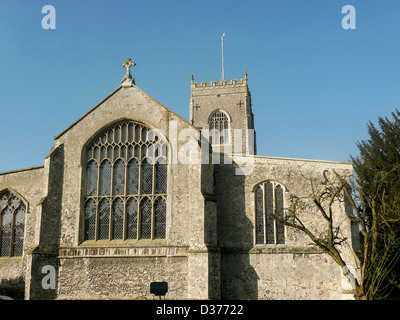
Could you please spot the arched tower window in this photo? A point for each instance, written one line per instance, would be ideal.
(269, 205)
(126, 184)
(12, 222)
(219, 128)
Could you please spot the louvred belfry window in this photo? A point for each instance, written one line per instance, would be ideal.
(269, 205)
(12, 222)
(126, 184)
(219, 128)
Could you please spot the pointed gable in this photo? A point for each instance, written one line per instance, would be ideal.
(123, 103)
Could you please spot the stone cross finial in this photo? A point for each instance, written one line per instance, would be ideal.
(128, 64)
(128, 80)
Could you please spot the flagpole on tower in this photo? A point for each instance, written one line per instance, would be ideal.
(222, 43)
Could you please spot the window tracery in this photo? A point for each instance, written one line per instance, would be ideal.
(269, 210)
(219, 128)
(12, 222)
(126, 184)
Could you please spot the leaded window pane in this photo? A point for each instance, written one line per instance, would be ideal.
(137, 152)
(90, 154)
(126, 166)
(269, 206)
(118, 219)
(116, 152)
(104, 219)
(91, 178)
(117, 134)
(161, 178)
(259, 216)
(145, 218)
(147, 177)
(131, 132)
(130, 152)
(19, 225)
(144, 134)
(144, 154)
(109, 152)
(103, 153)
(105, 178)
(160, 210)
(119, 177)
(133, 176)
(132, 215)
(123, 152)
(111, 136)
(137, 133)
(6, 224)
(96, 153)
(3, 202)
(90, 219)
(280, 227)
(124, 137)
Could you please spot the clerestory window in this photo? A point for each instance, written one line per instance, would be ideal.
(269, 205)
(126, 184)
(12, 222)
(219, 128)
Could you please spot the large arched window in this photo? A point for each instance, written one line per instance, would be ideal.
(269, 204)
(219, 128)
(126, 184)
(12, 222)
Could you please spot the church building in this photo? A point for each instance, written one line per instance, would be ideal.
(131, 193)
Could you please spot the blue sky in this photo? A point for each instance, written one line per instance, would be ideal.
(314, 84)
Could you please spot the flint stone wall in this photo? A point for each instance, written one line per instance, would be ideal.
(296, 270)
(27, 184)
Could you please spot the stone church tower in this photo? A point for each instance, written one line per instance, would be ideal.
(224, 112)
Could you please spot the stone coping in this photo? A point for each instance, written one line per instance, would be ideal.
(21, 170)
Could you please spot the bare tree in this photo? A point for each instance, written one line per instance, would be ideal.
(378, 242)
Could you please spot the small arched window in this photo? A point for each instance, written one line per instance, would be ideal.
(126, 184)
(269, 205)
(12, 222)
(219, 128)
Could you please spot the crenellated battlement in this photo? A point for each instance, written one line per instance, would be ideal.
(222, 83)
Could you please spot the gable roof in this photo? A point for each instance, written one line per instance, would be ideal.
(87, 113)
(108, 97)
